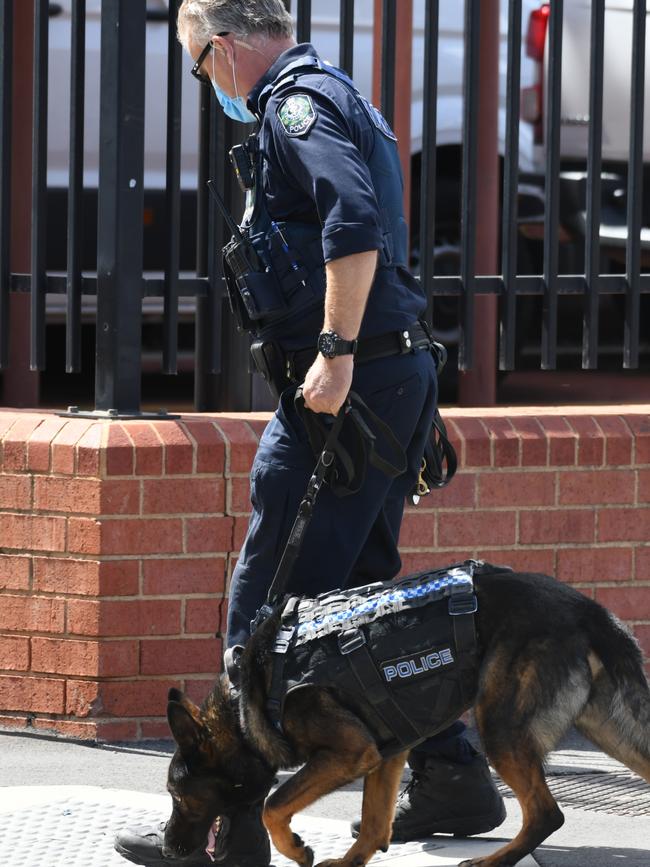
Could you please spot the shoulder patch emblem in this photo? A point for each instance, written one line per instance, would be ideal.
(297, 114)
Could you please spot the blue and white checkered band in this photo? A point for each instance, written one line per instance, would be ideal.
(322, 617)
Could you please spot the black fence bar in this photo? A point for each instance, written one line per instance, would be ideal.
(552, 210)
(202, 362)
(120, 206)
(75, 186)
(346, 36)
(594, 188)
(429, 138)
(39, 184)
(303, 21)
(468, 194)
(509, 229)
(172, 193)
(635, 189)
(388, 46)
(6, 104)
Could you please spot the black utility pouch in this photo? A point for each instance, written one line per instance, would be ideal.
(269, 361)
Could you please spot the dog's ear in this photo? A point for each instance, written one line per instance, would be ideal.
(184, 720)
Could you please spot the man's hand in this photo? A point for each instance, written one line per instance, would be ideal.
(327, 383)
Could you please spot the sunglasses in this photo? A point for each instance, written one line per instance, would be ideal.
(204, 79)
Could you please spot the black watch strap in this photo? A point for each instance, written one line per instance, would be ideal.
(331, 344)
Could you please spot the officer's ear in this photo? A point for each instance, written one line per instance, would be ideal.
(223, 46)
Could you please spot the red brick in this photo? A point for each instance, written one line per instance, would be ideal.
(86, 577)
(210, 446)
(556, 525)
(14, 443)
(618, 440)
(83, 698)
(208, 535)
(32, 532)
(14, 653)
(198, 688)
(179, 453)
(14, 722)
(148, 449)
(38, 447)
(63, 445)
(85, 658)
(156, 731)
(592, 565)
(241, 445)
(475, 528)
(84, 731)
(14, 572)
(136, 698)
(644, 486)
(460, 492)
(31, 614)
(239, 532)
(116, 732)
(61, 494)
(204, 616)
(642, 565)
(505, 442)
(181, 656)
(239, 496)
(624, 525)
(142, 536)
(184, 576)
(534, 444)
(628, 603)
(119, 497)
(475, 442)
(593, 487)
(120, 454)
(642, 632)
(522, 559)
(562, 440)
(417, 530)
(84, 536)
(15, 492)
(516, 489)
(136, 617)
(183, 496)
(420, 561)
(89, 451)
(258, 425)
(640, 427)
(32, 694)
(591, 443)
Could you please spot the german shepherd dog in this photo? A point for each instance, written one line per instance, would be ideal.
(550, 658)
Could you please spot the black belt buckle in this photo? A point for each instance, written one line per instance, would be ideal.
(283, 639)
(351, 640)
(463, 603)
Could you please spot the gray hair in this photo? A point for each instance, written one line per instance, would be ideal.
(201, 19)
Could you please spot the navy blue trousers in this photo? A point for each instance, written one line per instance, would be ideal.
(351, 540)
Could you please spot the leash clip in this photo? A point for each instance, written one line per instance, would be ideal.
(350, 641)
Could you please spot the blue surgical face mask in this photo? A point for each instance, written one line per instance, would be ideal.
(234, 107)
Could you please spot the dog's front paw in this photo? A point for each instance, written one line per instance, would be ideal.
(474, 862)
(307, 859)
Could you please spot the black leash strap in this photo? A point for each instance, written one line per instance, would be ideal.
(333, 460)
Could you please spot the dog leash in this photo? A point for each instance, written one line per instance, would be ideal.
(336, 466)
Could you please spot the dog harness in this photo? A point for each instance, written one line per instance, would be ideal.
(401, 654)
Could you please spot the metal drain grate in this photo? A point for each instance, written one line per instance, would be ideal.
(620, 793)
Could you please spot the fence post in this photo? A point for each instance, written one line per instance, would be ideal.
(120, 207)
(478, 386)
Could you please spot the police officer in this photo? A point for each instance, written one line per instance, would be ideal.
(332, 306)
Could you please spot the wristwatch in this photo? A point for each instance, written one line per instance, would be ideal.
(330, 344)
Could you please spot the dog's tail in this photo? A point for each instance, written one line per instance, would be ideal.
(617, 715)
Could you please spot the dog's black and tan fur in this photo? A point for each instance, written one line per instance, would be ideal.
(550, 659)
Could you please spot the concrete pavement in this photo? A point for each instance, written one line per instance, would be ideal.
(61, 803)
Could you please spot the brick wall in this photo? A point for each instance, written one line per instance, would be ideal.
(117, 540)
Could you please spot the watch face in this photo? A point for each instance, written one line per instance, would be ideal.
(327, 344)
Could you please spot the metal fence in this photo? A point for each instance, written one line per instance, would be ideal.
(120, 282)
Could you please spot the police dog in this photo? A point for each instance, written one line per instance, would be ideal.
(550, 658)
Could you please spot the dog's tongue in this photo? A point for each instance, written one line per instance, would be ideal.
(216, 839)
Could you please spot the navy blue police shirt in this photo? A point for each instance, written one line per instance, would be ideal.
(317, 160)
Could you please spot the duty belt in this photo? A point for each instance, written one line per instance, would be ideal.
(368, 349)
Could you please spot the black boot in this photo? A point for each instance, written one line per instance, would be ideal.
(445, 797)
(240, 841)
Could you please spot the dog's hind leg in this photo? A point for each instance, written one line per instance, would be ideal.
(617, 719)
(521, 768)
(379, 796)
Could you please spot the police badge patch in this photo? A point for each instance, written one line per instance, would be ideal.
(297, 114)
